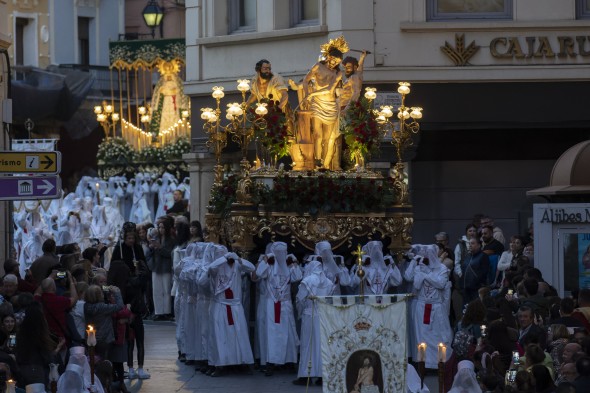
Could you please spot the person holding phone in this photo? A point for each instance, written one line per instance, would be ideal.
(56, 306)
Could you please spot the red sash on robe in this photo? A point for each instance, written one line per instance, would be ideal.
(277, 312)
(427, 311)
(229, 294)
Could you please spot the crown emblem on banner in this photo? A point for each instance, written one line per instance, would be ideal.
(361, 323)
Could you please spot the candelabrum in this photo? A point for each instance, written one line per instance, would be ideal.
(241, 126)
(405, 127)
(107, 117)
(244, 122)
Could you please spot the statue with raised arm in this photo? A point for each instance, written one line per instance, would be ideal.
(352, 86)
(319, 87)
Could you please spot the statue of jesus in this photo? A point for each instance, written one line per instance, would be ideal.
(319, 87)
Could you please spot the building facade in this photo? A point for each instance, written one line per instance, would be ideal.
(5, 43)
(503, 85)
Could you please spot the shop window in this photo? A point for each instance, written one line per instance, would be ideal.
(575, 258)
(305, 12)
(468, 9)
(583, 9)
(242, 16)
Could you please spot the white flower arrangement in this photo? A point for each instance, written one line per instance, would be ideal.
(115, 150)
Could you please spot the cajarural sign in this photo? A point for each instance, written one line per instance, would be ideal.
(539, 47)
(527, 47)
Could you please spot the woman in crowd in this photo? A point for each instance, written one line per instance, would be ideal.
(9, 324)
(142, 232)
(77, 312)
(101, 304)
(130, 276)
(162, 248)
(557, 338)
(35, 347)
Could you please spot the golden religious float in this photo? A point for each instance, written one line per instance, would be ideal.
(294, 188)
(146, 120)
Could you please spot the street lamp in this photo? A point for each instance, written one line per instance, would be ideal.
(107, 117)
(152, 15)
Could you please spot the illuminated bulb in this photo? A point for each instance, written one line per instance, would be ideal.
(404, 88)
(206, 113)
(416, 112)
(98, 109)
(101, 117)
(381, 118)
(212, 117)
(218, 92)
(403, 114)
(108, 108)
(261, 109)
(243, 85)
(115, 116)
(236, 109)
(229, 116)
(386, 111)
(370, 93)
(142, 110)
(184, 114)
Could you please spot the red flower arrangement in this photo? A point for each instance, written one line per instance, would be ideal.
(360, 130)
(277, 135)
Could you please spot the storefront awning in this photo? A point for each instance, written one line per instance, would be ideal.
(570, 175)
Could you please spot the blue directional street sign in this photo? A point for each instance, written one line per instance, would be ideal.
(27, 188)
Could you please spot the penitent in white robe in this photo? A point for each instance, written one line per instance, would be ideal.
(315, 284)
(230, 343)
(281, 331)
(429, 317)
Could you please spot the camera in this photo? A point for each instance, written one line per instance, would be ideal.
(61, 274)
(106, 288)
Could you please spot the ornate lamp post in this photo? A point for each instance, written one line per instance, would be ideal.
(107, 117)
(152, 15)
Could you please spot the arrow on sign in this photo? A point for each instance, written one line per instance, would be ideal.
(48, 162)
(47, 186)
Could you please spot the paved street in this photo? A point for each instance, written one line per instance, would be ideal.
(170, 375)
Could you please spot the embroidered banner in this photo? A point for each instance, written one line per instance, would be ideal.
(363, 343)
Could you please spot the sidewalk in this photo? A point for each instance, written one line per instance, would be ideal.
(170, 375)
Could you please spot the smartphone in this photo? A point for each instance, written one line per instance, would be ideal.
(106, 288)
(511, 376)
(515, 358)
(12, 340)
(61, 274)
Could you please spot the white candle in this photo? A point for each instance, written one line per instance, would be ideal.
(91, 336)
(10, 386)
(442, 353)
(422, 352)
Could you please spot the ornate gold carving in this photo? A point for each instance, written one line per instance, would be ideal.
(339, 229)
(243, 192)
